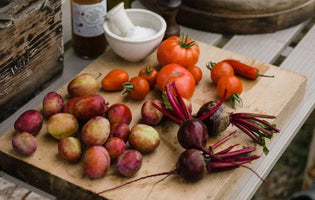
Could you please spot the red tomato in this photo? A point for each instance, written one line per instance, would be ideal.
(196, 72)
(137, 88)
(180, 50)
(220, 69)
(184, 80)
(233, 85)
(150, 74)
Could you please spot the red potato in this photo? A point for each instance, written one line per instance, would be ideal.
(129, 163)
(53, 103)
(120, 130)
(144, 138)
(89, 106)
(69, 148)
(95, 161)
(69, 106)
(119, 113)
(150, 114)
(115, 147)
(95, 131)
(30, 121)
(82, 84)
(24, 143)
(62, 125)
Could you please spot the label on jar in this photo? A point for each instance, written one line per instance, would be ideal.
(88, 20)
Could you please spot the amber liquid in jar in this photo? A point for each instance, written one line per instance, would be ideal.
(88, 38)
(113, 3)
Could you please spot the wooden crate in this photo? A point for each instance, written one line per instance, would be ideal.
(31, 50)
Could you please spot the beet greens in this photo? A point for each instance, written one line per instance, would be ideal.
(216, 119)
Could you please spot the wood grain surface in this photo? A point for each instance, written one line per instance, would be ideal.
(241, 17)
(31, 51)
(45, 169)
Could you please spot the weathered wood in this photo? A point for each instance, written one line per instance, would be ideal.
(241, 17)
(61, 178)
(31, 51)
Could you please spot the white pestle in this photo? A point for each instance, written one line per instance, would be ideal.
(119, 21)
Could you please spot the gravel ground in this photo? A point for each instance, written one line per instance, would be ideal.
(286, 178)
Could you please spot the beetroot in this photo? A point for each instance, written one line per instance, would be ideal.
(216, 119)
(249, 123)
(192, 132)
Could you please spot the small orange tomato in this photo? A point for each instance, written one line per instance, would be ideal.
(219, 69)
(114, 80)
(150, 74)
(234, 89)
(196, 72)
(137, 88)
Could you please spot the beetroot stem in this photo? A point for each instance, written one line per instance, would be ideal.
(248, 132)
(215, 108)
(174, 102)
(235, 153)
(247, 115)
(139, 179)
(226, 150)
(223, 140)
(223, 165)
(168, 114)
(181, 101)
(245, 122)
(238, 159)
(264, 122)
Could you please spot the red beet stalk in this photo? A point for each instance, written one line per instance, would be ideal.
(179, 112)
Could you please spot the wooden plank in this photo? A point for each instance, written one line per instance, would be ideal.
(263, 47)
(301, 61)
(49, 172)
(11, 188)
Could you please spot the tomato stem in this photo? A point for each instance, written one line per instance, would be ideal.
(210, 65)
(128, 87)
(183, 42)
(235, 98)
(147, 69)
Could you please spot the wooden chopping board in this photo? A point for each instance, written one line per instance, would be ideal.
(45, 168)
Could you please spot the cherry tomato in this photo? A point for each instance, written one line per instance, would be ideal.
(234, 88)
(232, 83)
(184, 80)
(196, 72)
(180, 50)
(137, 88)
(150, 74)
(114, 80)
(220, 69)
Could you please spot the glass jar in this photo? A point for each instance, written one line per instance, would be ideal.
(87, 18)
